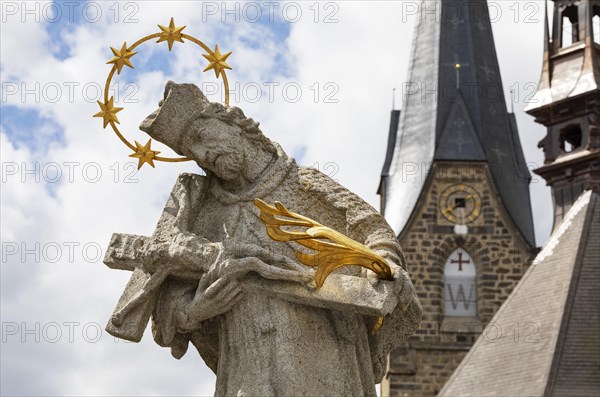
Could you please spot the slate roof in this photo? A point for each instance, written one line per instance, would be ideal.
(434, 113)
(556, 309)
(394, 118)
(458, 139)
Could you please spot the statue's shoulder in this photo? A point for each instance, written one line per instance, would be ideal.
(190, 179)
(188, 183)
(320, 185)
(311, 179)
(317, 182)
(187, 192)
(188, 189)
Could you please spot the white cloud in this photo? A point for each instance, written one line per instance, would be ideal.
(363, 56)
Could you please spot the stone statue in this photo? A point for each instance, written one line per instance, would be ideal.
(210, 274)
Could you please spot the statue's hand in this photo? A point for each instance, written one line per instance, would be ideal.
(272, 259)
(220, 288)
(404, 287)
(374, 277)
(240, 259)
(211, 299)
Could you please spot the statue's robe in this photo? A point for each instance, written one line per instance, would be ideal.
(269, 346)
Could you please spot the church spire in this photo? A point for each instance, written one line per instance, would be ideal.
(454, 110)
(546, 28)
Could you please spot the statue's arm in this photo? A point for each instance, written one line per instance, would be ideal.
(207, 274)
(365, 225)
(181, 208)
(175, 243)
(371, 228)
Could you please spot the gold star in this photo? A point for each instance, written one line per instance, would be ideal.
(108, 112)
(121, 57)
(170, 34)
(217, 61)
(144, 154)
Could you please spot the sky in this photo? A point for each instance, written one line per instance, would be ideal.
(317, 76)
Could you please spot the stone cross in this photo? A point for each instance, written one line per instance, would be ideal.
(133, 310)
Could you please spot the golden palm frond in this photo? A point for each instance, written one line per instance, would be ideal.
(334, 249)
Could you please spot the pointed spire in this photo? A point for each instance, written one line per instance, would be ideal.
(453, 56)
(589, 34)
(546, 28)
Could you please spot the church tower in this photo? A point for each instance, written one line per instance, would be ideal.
(455, 188)
(558, 300)
(567, 103)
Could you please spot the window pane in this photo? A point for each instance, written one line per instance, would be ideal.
(460, 292)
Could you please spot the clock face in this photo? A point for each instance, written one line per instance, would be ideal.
(460, 204)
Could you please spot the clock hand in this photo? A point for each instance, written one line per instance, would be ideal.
(453, 207)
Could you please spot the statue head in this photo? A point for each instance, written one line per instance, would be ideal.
(218, 138)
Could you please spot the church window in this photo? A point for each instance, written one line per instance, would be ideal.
(570, 138)
(460, 293)
(570, 26)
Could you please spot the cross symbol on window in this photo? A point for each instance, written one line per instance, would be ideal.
(460, 261)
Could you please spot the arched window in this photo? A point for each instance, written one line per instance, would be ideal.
(570, 26)
(460, 292)
(570, 138)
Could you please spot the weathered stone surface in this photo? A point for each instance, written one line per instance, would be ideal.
(340, 292)
(123, 251)
(243, 300)
(138, 317)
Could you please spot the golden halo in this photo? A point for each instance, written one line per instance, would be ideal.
(121, 58)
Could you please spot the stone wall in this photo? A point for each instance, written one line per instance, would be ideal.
(501, 258)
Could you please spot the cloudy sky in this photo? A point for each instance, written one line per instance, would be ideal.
(319, 78)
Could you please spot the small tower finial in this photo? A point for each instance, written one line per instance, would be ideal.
(546, 27)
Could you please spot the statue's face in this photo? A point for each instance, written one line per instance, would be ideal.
(217, 147)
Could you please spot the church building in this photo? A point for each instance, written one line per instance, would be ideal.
(455, 188)
(558, 301)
